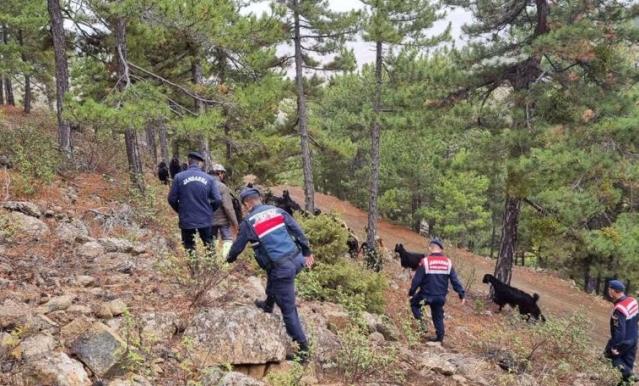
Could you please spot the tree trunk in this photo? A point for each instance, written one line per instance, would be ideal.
(503, 268)
(175, 146)
(203, 139)
(27, 76)
(151, 143)
(61, 74)
(1, 89)
(130, 139)
(164, 142)
(8, 87)
(375, 134)
(307, 160)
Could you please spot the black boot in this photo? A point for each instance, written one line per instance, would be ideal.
(435, 339)
(261, 304)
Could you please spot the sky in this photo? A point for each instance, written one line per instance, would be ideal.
(364, 51)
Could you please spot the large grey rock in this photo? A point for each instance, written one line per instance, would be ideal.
(243, 335)
(90, 250)
(36, 345)
(215, 377)
(25, 207)
(13, 313)
(73, 231)
(378, 323)
(27, 227)
(436, 363)
(99, 348)
(158, 326)
(112, 244)
(56, 369)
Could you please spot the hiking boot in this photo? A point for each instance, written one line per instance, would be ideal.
(435, 339)
(261, 304)
(302, 355)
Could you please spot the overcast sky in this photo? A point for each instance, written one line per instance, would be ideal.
(365, 52)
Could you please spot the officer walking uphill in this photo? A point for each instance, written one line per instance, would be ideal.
(622, 346)
(282, 249)
(224, 217)
(194, 197)
(430, 286)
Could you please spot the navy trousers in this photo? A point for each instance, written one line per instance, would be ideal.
(436, 304)
(188, 237)
(625, 362)
(280, 290)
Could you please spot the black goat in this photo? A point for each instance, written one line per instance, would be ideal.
(504, 294)
(286, 203)
(408, 259)
(163, 173)
(174, 167)
(353, 246)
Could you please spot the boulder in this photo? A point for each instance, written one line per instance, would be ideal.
(112, 244)
(36, 346)
(228, 292)
(56, 369)
(243, 335)
(117, 307)
(115, 261)
(99, 348)
(378, 323)
(27, 228)
(158, 326)
(215, 377)
(58, 303)
(90, 250)
(84, 280)
(70, 331)
(436, 363)
(28, 208)
(73, 231)
(13, 314)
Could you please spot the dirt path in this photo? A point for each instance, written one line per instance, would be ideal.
(557, 296)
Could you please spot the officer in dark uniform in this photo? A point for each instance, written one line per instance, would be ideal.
(282, 249)
(431, 279)
(194, 196)
(622, 346)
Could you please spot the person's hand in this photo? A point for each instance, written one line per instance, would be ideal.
(310, 260)
(235, 229)
(463, 301)
(614, 352)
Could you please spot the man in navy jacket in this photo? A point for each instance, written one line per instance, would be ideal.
(622, 346)
(431, 279)
(282, 249)
(195, 197)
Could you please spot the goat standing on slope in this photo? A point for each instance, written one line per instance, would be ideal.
(504, 294)
(408, 259)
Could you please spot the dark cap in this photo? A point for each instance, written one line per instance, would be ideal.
(617, 285)
(196, 155)
(248, 192)
(437, 241)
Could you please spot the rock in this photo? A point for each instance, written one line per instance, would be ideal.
(27, 228)
(460, 380)
(216, 377)
(5, 162)
(7, 343)
(112, 244)
(132, 380)
(376, 338)
(158, 326)
(70, 331)
(85, 280)
(326, 343)
(337, 320)
(36, 346)
(58, 303)
(103, 311)
(56, 369)
(115, 261)
(243, 335)
(139, 249)
(436, 363)
(381, 325)
(117, 307)
(13, 314)
(72, 232)
(90, 250)
(99, 348)
(28, 208)
(228, 292)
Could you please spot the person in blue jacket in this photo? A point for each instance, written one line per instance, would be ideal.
(194, 196)
(622, 346)
(282, 249)
(430, 286)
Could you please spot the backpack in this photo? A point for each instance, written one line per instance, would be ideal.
(237, 207)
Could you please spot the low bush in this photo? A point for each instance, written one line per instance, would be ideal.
(344, 282)
(326, 235)
(550, 352)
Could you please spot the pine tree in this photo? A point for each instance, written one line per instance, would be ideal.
(61, 74)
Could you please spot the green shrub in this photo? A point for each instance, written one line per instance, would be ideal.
(344, 282)
(551, 352)
(33, 153)
(326, 235)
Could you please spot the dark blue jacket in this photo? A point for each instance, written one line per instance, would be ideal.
(274, 235)
(623, 325)
(433, 275)
(194, 197)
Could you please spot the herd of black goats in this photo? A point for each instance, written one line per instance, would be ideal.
(501, 293)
